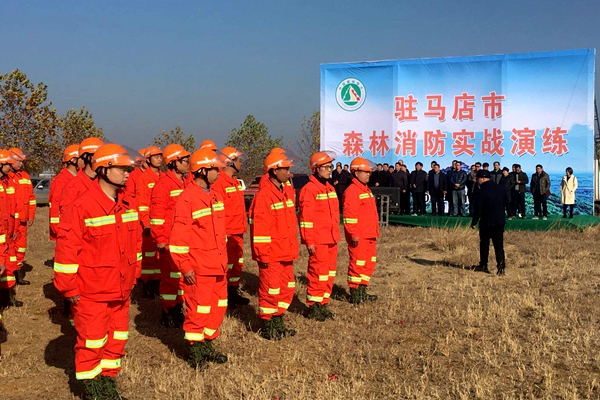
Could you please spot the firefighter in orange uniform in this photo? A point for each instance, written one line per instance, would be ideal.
(9, 215)
(140, 167)
(24, 196)
(361, 226)
(288, 186)
(198, 247)
(98, 255)
(150, 277)
(319, 217)
(274, 243)
(235, 221)
(165, 194)
(57, 185)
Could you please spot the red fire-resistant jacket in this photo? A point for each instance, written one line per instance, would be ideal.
(56, 187)
(319, 213)
(20, 197)
(360, 212)
(235, 209)
(198, 239)
(24, 194)
(98, 250)
(131, 182)
(274, 226)
(74, 189)
(143, 193)
(9, 205)
(165, 194)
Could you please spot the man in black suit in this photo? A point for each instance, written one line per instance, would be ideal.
(437, 190)
(488, 210)
(418, 182)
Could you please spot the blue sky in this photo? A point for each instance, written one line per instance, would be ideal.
(144, 66)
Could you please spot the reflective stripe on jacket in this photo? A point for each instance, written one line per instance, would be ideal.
(360, 212)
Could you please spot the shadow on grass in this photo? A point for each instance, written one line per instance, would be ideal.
(250, 283)
(431, 263)
(59, 352)
(49, 263)
(147, 323)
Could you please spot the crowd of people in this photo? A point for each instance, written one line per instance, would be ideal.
(458, 186)
(172, 223)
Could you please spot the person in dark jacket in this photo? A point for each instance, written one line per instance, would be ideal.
(518, 198)
(458, 181)
(496, 173)
(488, 211)
(400, 181)
(437, 190)
(418, 182)
(341, 180)
(540, 188)
(405, 194)
(508, 182)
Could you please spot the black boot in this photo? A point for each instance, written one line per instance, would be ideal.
(20, 277)
(196, 359)
(269, 330)
(234, 298)
(326, 312)
(146, 289)
(94, 389)
(501, 268)
(315, 312)
(212, 354)
(166, 319)
(177, 316)
(366, 296)
(154, 288)
(12, 293)
(481, 268)
(280, 326)
(4, 299)
(356, 296)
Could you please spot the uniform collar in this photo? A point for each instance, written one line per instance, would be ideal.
(103, 200)
(175, 179)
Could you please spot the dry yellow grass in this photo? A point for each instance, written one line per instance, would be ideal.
(437, 330)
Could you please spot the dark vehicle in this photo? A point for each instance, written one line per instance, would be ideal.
(299, 180)
(41, 189)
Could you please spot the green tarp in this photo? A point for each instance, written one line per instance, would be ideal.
(554, 222)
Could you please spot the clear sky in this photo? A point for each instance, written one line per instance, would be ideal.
(144, 66)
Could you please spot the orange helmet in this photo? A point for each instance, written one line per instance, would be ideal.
(362, 164)
(7, 157)
(174, 152)
(208, 144)
(233, 154)
(205, 158)
(142, 151)
(152, 151)
(18, 152)
(111, 155)
(90, 145)
(320, 158)
(71, 152)
(277, 160)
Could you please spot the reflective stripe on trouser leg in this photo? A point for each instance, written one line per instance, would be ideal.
(360, 262)
(206, 304)
(21, 242)
(149, 264)
(92, 322)
(371, 261)
(170, 281)
(320, 282)
(235, 258)
(276, 275)
(117, 337)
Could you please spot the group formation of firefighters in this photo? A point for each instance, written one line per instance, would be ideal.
(119, 219)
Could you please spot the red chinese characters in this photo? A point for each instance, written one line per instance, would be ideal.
(492, 142)
(353, 144)
(523, 141)
(406, 143)
(461, 143)
(405, 108)
(554, 141)
(434, 143)
(379, 143)
(435, 107)
(464, 105)
(492, 105)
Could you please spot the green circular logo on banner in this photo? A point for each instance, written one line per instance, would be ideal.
(350, 94)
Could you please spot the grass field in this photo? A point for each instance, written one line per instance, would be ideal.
(437, 331)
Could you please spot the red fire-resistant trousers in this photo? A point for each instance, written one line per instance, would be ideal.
(235, 259)
(276, 288)
(102, 331)
(7, 279)
(205, 306)
(321, 273)
(150, 270)
(171, 281)
(362, 262)
(20, 243)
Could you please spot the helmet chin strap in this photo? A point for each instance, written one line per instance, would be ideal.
(101, 172)
(203, 176)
